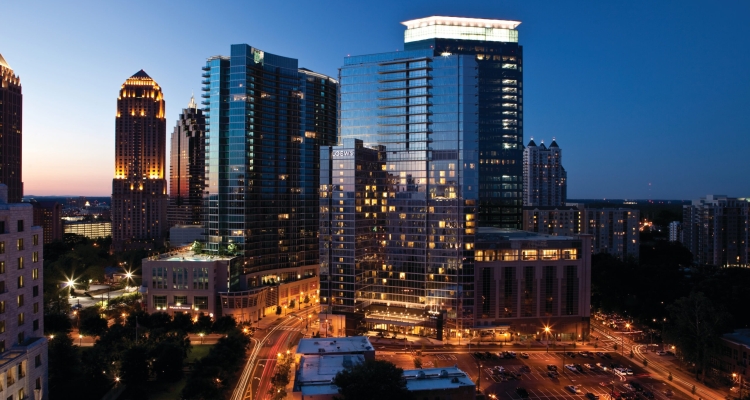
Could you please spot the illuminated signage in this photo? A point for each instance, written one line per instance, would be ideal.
(343, 153)
(258, 56)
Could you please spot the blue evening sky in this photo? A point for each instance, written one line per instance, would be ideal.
(647, 99)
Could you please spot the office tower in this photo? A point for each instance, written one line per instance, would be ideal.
(544, 178)
(48, 215)
(139, 189)
(615, 231)
(23, 346)
(187, 167)
(11, 113)
(553, 220)
(715, 229)
(266, 121)
(446, 114)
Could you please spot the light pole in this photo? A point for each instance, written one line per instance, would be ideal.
(546, 330)
(479, 378)
(80, 340)
(459, 338)
(201, 335)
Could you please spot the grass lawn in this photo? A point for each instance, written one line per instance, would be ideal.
(171, 391)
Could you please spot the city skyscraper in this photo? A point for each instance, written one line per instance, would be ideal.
(11, 120)
(544, 178)
(716, 229)
(266, 121)
(447, 115)
(139, 188)
(187, 167)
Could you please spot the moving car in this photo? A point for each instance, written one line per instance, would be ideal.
(620, 371)
(629, 371)
(524, 355)
(573, 389)
(600, 365)
(661, 353)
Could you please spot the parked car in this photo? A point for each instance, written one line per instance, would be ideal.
(588, 366)
(600, 354)
(620, 371)
(551, 367)
(606, 355)
(579, 367)
(600, 365)
(525, 368)
(648, 394)
(629, 387)
(571, 367)
(552, 374)
(669, 393)
(524, 355)
(571, 354)
(522, 392)
(573, 389)
(592, 396)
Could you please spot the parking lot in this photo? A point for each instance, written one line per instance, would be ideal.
(533, 374)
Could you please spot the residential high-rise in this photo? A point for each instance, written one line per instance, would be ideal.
(615, 231)
(446, 117)
(48, 215)
(187, 167)
(266, 121)
(675, 231)
(544, 178)
(11, 120)
(716, 229)
(23, 346)
(139, 188)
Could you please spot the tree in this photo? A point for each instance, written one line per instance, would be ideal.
(203, 324)
(182, 322)
(57, 323)
(224, 324)
(695, 327)
(134, 366)
(306, 300)
(278, 310)
(64, 366)
(292, 303)
(91, 323)
(372, 379)
(168, 361)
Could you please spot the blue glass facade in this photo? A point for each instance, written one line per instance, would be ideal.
(266, 120)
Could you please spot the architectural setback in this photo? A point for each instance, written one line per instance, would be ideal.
(716, 229)
(187, 167)
(139, 188)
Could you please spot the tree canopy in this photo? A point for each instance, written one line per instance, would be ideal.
(373, 379)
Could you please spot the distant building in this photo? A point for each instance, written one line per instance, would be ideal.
(187, 166)
(716, 229)
(48, 215)
(675, 231)
(544, 178)
(139, 188)
(615, 231)
(320, 360)
(733, 357)
(23, 346)
(90, 229)
(553, 220)
(11, 120)
(526, 282)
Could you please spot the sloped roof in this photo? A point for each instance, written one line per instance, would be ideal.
(140, 74)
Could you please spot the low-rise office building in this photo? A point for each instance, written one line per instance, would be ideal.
(527, 282)
(90, 229)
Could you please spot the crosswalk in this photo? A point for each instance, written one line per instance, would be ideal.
(548, 393)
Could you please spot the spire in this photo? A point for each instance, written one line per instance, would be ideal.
(4, 63)
(553, 144)
(542, 146)
(192, 101)
(531, 143)
(140, 74)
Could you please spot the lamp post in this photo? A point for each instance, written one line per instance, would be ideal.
(546, 330)
(479, 378)
(459, 338)
(80, 340)
(201, 335)
(299, 302)
(734, 375)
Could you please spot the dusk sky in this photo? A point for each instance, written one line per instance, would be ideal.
(647, 99)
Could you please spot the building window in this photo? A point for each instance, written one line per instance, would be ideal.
(200, 278)
(2, 267)
(179, 278)
(19, 243)
(159, 277)
(20, 262)
(36, 324)
(35, 273)
(21, 337)
(180, 300)
(35, 240)
(38, 360)
(2, 247)
(36, 308)
(2, 309)
(2, 286)
(35, 256)
(2, 326)
(20, 300)
(200, 302)
(9, 378)
(160, 302)
(20, 225)
(20, 282)
(35, 291)
(2, 346)
(39, 383)
(21, 319)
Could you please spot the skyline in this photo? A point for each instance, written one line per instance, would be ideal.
(681, 90)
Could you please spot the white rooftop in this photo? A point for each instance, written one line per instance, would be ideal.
(436, 378)
(337, 345)
(317, 369)
(461, 21)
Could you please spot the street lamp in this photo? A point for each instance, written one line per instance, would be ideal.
(479, 378)
(201, 335)
(80, 340)
(285, 309)
(459, 338)
(546, 330)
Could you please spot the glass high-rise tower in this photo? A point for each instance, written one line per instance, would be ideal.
(187, 167)
(266, 121)
(446, 117)
(11, 119)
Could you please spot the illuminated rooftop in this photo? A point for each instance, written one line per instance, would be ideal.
(487, 30)
(4, 63)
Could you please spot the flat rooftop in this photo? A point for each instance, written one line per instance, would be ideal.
(321, 369)
(436, 378)
(739, 336)
(188, 255)
(339, 345)
(492, 234)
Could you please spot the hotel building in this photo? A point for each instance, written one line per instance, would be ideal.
(544, 178)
